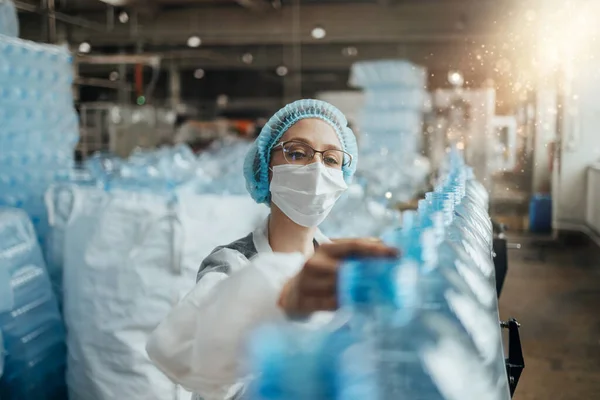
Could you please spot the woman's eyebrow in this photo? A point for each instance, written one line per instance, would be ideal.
(308, 142)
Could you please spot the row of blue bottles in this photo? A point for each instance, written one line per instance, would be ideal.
(145, 170)
(32, 328)
(436, 335)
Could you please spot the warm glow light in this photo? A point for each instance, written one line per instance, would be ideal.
(455, 78)
(565, 35)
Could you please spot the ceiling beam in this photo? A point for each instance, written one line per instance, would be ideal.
(414, 22)
(317, 57)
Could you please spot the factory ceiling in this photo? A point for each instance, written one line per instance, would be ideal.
(484, 39)
(433, 32)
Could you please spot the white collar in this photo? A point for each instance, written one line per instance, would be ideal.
(260, 236)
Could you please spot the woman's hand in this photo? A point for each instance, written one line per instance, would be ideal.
(314, 288)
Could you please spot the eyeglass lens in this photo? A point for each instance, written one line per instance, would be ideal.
(301, 153)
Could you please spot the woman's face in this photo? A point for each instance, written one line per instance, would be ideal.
(317, 133)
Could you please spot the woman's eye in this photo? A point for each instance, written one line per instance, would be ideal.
(296, 155)
(331, 161)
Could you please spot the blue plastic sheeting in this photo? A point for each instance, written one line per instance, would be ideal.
(32, 330)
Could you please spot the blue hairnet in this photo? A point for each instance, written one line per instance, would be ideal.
(256, 164)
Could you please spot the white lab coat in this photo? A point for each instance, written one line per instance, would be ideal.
(201, 343)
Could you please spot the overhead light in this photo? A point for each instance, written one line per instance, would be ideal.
(456, 78)
(281, 70)
(222, 100)
(247, 58)
(350, 51)
(85, 47)
(199, 73)
(123, 17)
(194, 41)
(318, 32)
(114, 76)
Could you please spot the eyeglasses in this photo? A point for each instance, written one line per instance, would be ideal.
(301, 153)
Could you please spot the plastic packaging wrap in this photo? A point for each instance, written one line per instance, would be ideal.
(129, 258)
(385, 73)
(218, 170)
(391, 128)
(39, 124)
(34, 336)
(9, 23)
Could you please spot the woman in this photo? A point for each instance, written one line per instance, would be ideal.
(299, 165)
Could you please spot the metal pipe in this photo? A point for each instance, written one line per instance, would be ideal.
(117, 59)
(110, 18)
(104, 83)
(50, 13)
(23, 6)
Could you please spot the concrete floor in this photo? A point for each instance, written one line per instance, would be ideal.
(553, 290)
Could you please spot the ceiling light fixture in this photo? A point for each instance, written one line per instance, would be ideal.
(123, 17)
(318, 32)
(199, 73)
(194, 41)
(350, 51)
(281, 70)
(85, 47)
(456, 78)
(247, 58)
(222, 100)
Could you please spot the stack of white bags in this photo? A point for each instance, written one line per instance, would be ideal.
(129, 257)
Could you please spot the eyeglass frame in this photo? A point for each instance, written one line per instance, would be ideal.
(281, 144)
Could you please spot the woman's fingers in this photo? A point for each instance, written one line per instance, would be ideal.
(315, 287)
(319, 285)
(357, 247)
(311, 304)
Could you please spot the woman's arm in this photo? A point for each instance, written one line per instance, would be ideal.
(200, 344)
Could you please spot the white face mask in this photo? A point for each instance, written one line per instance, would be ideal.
(306, 193)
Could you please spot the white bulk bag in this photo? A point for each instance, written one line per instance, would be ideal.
(129, 258)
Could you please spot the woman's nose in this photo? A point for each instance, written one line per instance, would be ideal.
(318, 157)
